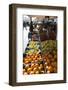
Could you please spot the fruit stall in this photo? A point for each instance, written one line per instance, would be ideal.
(40, 55)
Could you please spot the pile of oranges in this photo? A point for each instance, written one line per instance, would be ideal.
(40, 64)
(32, 58)
(50, 63)
(33, 64)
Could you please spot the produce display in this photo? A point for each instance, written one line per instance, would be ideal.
(33, 47)
(40, 60)
(40, 44)
(50, 62)
(49, 46)
(33, 64)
